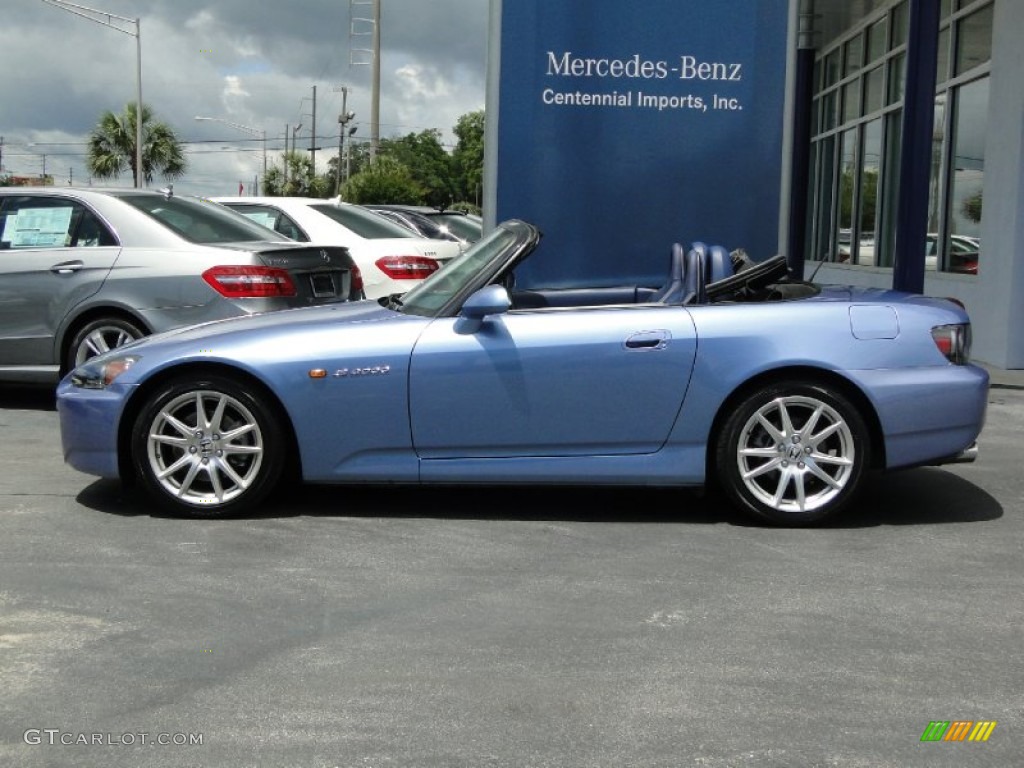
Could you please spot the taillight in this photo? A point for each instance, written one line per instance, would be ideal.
(954, 342)
(406, 267)
(357, 278)
(237, 282)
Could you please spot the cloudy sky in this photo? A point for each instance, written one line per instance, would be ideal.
(248, 62)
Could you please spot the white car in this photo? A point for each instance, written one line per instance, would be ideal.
(390, 258)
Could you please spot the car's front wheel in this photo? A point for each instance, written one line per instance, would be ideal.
(793, 453)
(208, 446)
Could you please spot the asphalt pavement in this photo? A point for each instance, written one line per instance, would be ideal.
(384, 627)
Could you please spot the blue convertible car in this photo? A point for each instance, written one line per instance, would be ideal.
(780, 392)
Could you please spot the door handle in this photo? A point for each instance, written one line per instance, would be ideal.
(67, 267)
(648, 340)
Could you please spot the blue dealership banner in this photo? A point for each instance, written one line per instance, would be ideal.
(625, 128)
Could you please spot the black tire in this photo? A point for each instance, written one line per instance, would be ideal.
(218, 465)
(98, 336)
(793, 453)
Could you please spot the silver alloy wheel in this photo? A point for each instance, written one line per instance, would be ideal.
(102, 339)
(205, 447)
(796, 454)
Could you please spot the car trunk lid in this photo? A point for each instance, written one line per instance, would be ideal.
(321, 274)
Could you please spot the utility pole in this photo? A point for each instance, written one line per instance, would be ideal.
(285, 162)
(343, 120)
(312, 137)
(295, 132)
(356, 57)
(375, 95)
(341, 138)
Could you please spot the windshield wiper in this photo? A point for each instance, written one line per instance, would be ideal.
(395, 301)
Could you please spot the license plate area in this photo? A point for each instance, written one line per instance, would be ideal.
(323, 285)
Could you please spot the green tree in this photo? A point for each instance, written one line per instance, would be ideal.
(358, 157)
(112, 147)
(384, 180)
(868, 198)
(468, 157)
(971, 207)
(428, 164)
(301, 181)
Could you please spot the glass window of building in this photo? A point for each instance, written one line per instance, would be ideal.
(963, 243)
(974, 40)
(876, 40)
(856, 145)
(897, 78)
(854, 54)
(942, 64)
(874, 89)
(871, 164)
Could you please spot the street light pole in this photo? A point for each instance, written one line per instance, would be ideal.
(139, 176)
(98, 17)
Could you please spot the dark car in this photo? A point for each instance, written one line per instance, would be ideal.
(461, 226)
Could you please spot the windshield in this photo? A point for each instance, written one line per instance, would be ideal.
(460, 225)
(432, 295)
(363, 222)
(200, 221)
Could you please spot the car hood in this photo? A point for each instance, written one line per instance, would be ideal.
(280, 322)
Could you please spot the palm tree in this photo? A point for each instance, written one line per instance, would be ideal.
(112, 146)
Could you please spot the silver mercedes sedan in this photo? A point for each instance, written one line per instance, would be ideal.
(85, 270)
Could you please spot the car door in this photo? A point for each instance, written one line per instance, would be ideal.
(54, 253)
(554, 382)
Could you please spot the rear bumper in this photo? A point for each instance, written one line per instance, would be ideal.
(928, 415)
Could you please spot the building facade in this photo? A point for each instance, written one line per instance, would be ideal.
(866, 74)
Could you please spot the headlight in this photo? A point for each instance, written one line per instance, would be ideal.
(100, 373)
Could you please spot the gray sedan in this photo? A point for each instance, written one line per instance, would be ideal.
(86, 270)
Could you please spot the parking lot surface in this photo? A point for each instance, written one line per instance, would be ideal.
(507, 627)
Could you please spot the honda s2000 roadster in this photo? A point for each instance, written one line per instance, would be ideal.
(782, 393)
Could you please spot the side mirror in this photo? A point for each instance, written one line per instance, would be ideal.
(489, 300)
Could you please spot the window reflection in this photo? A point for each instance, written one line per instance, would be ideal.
(967, 177)
(975, 44)
(847, 175)
(869, 191)
(935, 183)
(858, 122)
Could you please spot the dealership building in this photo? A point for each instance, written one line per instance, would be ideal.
(874, 142)
(971, 77)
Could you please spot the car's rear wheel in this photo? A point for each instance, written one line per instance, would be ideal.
(793, 453)
(99, 336)
(208, 446)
